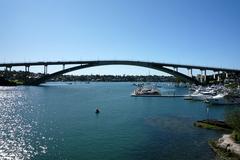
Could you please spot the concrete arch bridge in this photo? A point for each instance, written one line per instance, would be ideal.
(172, 69)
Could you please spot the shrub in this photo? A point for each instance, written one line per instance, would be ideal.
(233, 119)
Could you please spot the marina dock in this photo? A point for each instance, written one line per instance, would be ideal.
(172, 96)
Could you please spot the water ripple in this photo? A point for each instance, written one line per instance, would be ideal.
(16, 131)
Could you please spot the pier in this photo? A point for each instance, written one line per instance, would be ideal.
(170, 96)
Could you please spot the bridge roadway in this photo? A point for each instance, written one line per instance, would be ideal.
(118, 62)
(153, 65)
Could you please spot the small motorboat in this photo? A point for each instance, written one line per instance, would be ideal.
(97, 111)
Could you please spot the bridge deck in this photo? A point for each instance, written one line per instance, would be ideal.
(114, 62)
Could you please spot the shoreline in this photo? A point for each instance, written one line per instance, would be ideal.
(158, 96)
(224, 147)
(212, 124)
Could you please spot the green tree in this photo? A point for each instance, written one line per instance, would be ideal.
(233, 119)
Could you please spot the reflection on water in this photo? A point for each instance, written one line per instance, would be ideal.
(16, 140)
(170, 123)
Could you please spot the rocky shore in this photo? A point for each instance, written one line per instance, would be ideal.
(226, 148)
(226, 142)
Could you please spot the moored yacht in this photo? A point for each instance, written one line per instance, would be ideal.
(200, 95)
(223, 99)
(146, 91)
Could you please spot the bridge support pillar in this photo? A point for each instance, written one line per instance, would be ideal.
(218, 76)
(214, 75)
(226, 74)
(201, 76)
(45, 69)
(175, 69)
(63, 66)
(27, 68)
(205, 75)
(190, 72)
(8, 68)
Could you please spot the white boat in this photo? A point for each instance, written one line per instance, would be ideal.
(138, 84)
(188, 97)
(199, 97)
(215, 94)
(146, 91)
(223, 99)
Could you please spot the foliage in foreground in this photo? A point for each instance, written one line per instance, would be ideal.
(233, 119)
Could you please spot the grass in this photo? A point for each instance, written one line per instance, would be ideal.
(17, 82)
(209, 126)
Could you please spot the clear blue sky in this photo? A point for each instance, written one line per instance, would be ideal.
(201, 32)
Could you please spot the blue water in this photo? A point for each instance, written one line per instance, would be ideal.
(58, 121)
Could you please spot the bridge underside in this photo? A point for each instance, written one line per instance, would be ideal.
(102, 63)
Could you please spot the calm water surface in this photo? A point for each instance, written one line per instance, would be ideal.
(57, 121)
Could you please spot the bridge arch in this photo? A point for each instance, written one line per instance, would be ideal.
(104, 63)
